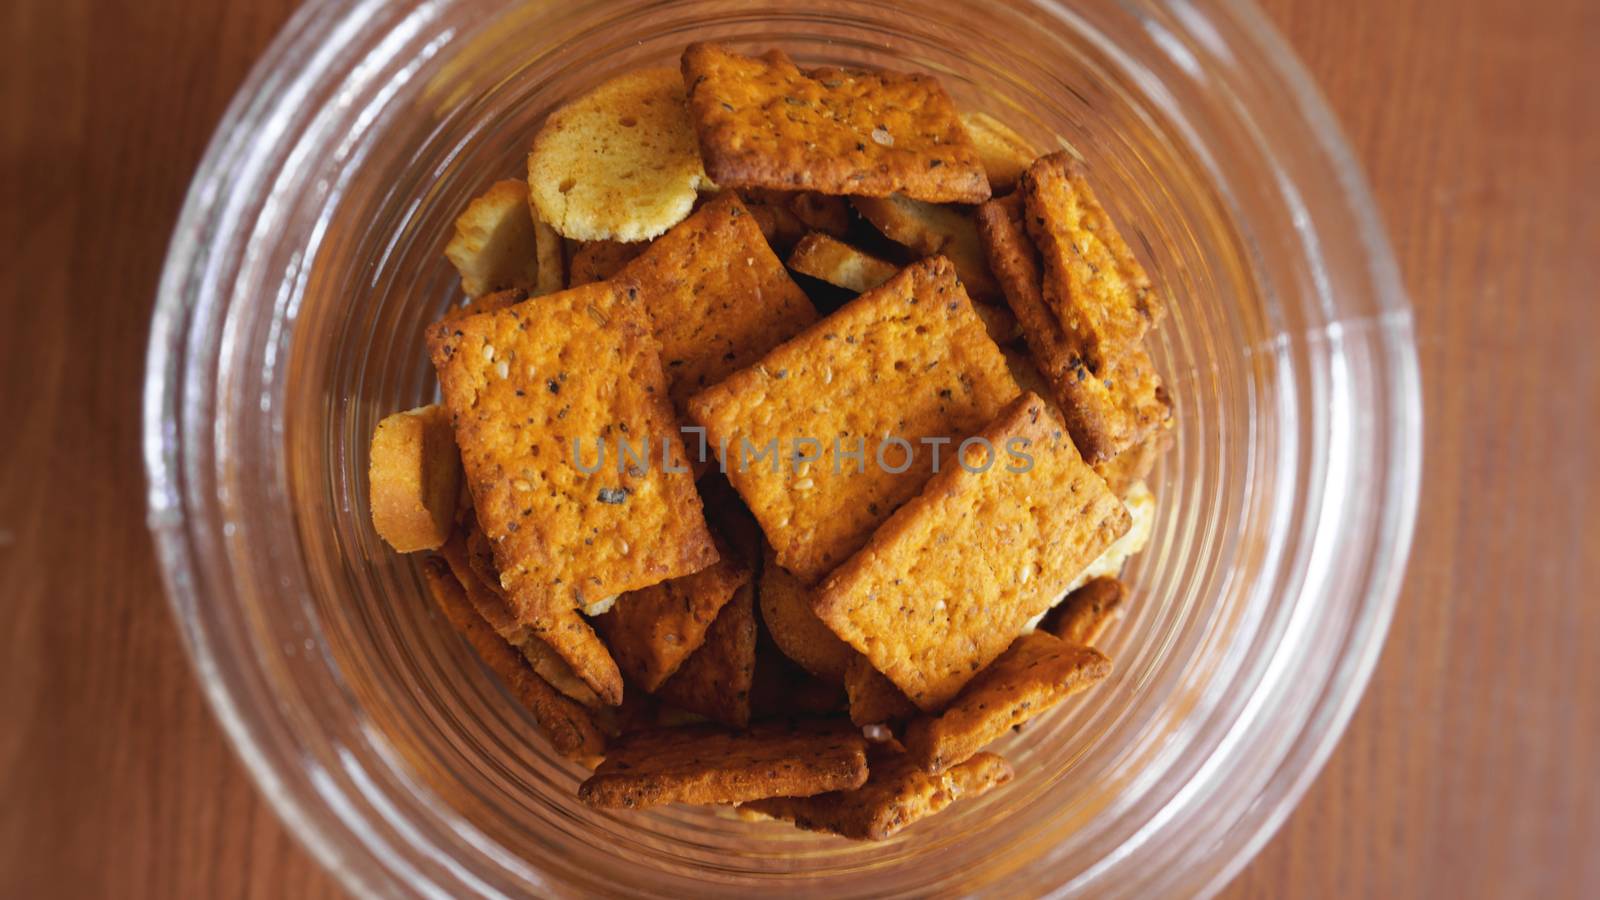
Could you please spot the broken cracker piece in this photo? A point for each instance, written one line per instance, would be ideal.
(1037, 672)
(584, 358)
(929, 228)
(567, 723)
(717, 295)
(619, 163)
(764, 122)
(1107, 409)
(897, 793)
(795, 629)
(709, 764)
(989, 544)
(832, 260)
(471, 561)
(653, 630)
(1005, 153)
(599, 260)
(495, 247)
(413, 471)
(1083, 617)
(909, 360)
(874, 699)
(715, 680)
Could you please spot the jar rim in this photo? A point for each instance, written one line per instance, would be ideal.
(192, 318)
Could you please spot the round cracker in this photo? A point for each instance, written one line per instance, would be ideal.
(619, 163)
(786, 610)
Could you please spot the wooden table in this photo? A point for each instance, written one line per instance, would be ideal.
(1467, 770)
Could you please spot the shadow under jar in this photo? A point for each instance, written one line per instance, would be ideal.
(308, 262)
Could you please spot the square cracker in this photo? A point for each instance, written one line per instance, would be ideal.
(715, 680)
(1037, 672)
(946, 584)
(908, 360)
(523, 384)
(764, 122)
(717, 295)
(570, 727)
(709, 764)
(1092, 281)
(897, 793)
(1107, 409)
(651, 631)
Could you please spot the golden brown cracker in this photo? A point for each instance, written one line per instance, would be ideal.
(521, 384)
(1092, 281)
(495, 246)
(709, 764)
(1037, 672)
(717, 295)
(795, 629)
(764, 122)
(909, 359)
(619, 163)
(928, 228)
(1005, 154)
(946, 583)
(483, 593)
(567, 723)
(1102, 304)
(599, 260)
(1083, 617)
(897, 793)
(653, 630)
(874, 699)
(1106, 410)
(413, 476)
(715, 680)
(829, 259)
(553, 668)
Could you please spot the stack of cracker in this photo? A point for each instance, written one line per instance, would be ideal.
(802, 537)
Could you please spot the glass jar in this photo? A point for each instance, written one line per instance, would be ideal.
(308, 261)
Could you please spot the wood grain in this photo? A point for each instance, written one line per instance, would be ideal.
(1466, 772)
